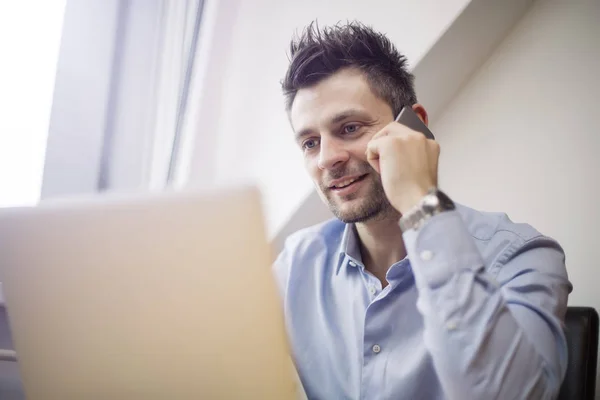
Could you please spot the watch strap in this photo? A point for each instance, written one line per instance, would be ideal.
(433, 203)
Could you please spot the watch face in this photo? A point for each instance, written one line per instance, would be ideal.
(445, 202)
(431, 202)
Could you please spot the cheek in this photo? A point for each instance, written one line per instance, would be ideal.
(312, 167)
(359, 148)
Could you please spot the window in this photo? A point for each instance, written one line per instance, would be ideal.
(30, 37)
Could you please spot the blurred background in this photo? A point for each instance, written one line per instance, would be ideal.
(143, 95)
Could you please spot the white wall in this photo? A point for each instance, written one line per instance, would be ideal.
(523, 137)
(247, 111)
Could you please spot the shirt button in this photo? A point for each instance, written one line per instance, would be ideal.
(426, 255)
(372, 290)
(451, 325)
(376, 349)
(352, 264)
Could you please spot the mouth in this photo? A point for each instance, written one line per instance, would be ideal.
(344, 184)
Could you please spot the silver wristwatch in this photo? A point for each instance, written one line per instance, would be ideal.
(434, 202)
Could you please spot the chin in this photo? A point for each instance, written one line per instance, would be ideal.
(356, 211)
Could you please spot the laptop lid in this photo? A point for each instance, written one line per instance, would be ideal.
(147, 297)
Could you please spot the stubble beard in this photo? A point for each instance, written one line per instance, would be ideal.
(373, 206)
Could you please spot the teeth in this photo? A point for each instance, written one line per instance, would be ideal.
(345, 183)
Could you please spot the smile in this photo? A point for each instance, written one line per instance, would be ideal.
(347, 182)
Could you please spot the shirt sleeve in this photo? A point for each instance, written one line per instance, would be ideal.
(493, 331)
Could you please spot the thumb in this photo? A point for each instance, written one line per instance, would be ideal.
(372, 154)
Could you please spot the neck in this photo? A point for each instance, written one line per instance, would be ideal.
(381, 245)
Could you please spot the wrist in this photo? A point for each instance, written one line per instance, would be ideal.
(433, 203)
(409, 199)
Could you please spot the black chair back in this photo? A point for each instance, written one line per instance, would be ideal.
(581, 329)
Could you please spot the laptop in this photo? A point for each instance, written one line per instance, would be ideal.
(166, 296)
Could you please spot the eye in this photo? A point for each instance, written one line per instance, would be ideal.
(351, 128)
(310, 144)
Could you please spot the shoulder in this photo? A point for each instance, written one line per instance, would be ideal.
(328, 233)
(499, 239)
(306, 247)
(484, 225)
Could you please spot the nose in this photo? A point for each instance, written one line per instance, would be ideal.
(331, 153)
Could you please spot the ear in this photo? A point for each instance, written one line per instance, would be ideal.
(421, 112)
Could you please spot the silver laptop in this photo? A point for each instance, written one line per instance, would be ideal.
(151, 297)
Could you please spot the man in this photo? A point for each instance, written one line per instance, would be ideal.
(405, 295)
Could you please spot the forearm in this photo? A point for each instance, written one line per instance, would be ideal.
(484, 342)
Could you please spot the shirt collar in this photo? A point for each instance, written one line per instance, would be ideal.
(349, 248)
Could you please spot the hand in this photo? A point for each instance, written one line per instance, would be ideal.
(407, 162)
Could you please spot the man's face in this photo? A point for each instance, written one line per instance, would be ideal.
(333, 122)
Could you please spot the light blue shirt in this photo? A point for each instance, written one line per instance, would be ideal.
(475, 311)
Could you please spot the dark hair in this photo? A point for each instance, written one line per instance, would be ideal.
(318, 53)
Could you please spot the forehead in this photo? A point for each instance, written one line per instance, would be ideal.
(344, 90)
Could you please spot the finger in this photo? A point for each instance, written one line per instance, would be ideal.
(375, 146)
(382, 133)
(372, 154)
(392, 129)
(372, 151)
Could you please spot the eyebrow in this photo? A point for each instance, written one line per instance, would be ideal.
(336, 119)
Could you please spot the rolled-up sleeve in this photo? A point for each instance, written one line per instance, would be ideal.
(494, 327)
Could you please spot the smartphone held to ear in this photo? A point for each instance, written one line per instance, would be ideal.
(410, 119)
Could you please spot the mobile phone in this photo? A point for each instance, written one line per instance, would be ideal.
(409, 118)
